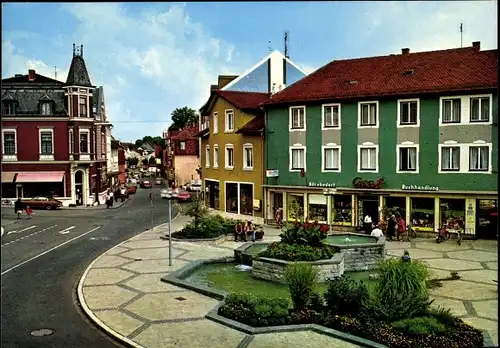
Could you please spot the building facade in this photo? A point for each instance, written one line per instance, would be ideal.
(181, 155)
(416, 133)
(54, 137)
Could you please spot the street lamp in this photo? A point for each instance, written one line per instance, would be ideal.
(170, 196)
(328, 192)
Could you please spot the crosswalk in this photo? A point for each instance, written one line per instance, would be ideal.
(16, 233)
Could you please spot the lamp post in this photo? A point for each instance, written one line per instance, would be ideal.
(170, 197)
(328, 192)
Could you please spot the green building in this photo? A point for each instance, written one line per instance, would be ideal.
(412, 132)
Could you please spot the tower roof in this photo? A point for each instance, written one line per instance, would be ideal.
(78, 74)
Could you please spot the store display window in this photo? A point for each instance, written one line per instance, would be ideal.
(246, 199)
(452, 213)
(396, 206)
(318, 209)
(232, 198)
(295, 207)
(422, 213)
(342, 210)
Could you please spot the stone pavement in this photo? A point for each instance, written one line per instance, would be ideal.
(122, 292)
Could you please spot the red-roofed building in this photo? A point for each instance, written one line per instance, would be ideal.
(410, 133)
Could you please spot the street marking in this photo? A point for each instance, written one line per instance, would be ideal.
(26, 229)
(66, 230)
(48, 251)
(29, 235)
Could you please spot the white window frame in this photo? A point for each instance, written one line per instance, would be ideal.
(297, 147)
(452, 143)
(216, 156)
(44, 104)
(481, 143)
(407, 145)
(490, 109)
(216, 123)
(323, 123)
(408, 125)
(368, 145)
(377, 108)
(86, 106)
(331, 146)
(226, 157)
(207, 156)
(227, 113)
(45, 157)
(81, 131)
(290, 123)
(9, 157)
(182, 145)
(465, 110)
(246, 147)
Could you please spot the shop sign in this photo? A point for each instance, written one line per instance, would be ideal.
(272, 173)
(320, 184)
(419, 187)
(470, 216)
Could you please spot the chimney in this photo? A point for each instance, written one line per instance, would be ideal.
(31, 75)
(405, 50)
(477, 45)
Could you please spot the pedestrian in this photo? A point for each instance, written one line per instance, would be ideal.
(406, 256)
(377, 232)
(19, 207)
(239, 233)
(391, 227)
(111, 199)
(29, 212)
(123, 193)
(367, 224)
(401, 228)
(108, 200)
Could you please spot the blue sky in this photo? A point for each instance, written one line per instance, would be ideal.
(154, 57)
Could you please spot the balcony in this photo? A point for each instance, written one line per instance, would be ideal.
(204, 125)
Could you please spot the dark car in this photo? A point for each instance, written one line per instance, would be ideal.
(43, 203)
(146, 184)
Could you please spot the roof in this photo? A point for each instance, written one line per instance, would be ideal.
(244, 100)
(24, 79)
(78, 74)
(256, 125)
(187, 133)
(28, 102)
(202, 132)
(403, 74)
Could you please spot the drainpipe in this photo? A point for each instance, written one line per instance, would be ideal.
(264, 161)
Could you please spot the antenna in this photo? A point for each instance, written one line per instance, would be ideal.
(55, 72)
(286, 43)
(269, 47)
(461, 34)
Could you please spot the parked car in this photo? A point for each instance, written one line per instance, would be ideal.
(146, 184)
(168, 193)
(131, 189)
(183, 196)
(40, 202)
(195, 187)
(118, 194)
(158, 181)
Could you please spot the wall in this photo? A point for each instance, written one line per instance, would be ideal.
(185, 169)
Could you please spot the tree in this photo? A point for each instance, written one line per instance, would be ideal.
(139, 142)
(133, 161)
(182, 117)
(158, 141)
(152, 160)
(145, 162)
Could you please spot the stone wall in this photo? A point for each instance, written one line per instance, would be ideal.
(363, 258)
(273, 269)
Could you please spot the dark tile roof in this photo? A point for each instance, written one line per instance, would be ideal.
(244, 100)
(187, 133)
(78, 74)
(28, 99)
(24, 79)
(147, 147)
(255, 126)
(450, 70)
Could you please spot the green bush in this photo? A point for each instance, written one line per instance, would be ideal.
(228, 225)
(301, 280)
(210, 226)
(282, 251)
(345, 296)
(420, 326)
(442, 314)
(298, 233)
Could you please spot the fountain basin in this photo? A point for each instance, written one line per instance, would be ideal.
(361, 252)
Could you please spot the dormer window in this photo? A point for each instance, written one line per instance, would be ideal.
(9, 107)
(46, 108)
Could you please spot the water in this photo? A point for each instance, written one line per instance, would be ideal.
(349, 239)
(256, 248)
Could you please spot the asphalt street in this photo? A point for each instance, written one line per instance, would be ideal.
(43, 258)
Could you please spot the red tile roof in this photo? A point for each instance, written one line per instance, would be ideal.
(244, 100)
(187, 133)
(256, 125)
(451, 70)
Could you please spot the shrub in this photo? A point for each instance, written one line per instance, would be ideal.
(228, 225)
(304, 316)
(289, 252)
(197, 210)
(210, 227)
(302, 280)
(442, 314)
(298, 233)
(345, 296)
(419, 326)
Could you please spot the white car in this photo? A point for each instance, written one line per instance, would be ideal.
(195, 187)
(168, 193)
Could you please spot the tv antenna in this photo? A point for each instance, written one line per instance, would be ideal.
(55, 72)
(269, 47)
(286, 43)
(461, 34)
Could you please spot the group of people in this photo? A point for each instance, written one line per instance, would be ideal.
(396, 227)
(241, 230)
(20, 206)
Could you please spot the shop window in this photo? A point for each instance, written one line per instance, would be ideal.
(342, 210)
(317, 207)
(422, 213)
(295, 207)
(246, 199)
(396, 206)
(232, 198)
(452, 213)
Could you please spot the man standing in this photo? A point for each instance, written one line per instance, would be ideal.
(367, 224)
(19, 206)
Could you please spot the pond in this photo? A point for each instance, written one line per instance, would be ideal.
(350, 239)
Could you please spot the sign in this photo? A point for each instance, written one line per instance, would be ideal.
(320, 184)
(470, 216)
(419, 187)
(272, 173)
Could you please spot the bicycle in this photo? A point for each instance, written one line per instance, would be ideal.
(443, 235)
(410, 232)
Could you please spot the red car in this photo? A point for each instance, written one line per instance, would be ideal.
(131, 189)
(183, 196)
(43, 203)
(146, 184)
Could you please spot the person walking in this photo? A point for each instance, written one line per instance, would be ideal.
(19, 207)
(367, 224)
(401, 228)
(391, 227)
(123, 193)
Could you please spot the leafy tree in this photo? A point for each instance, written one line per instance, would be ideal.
(133, 161)
(182, 117)
(152, 160)
(158, 141)
(139, 142)
(145, 162)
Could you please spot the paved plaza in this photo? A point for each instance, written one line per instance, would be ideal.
(122, 292)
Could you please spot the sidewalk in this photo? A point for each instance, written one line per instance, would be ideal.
(122, 292)
(116, 205)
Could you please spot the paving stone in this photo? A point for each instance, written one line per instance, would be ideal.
(110, 261)
(149, 235)
(207, 254)
(483, 276)
(492, 265)
(143, 244)
(116, 251)
(452, 264)
(304, 339)
(108, 296)
(398, 245)
(464, 290)
(443, 247)
(487, 245)
(106, 276)
(487, 309)
(165, 306)
(484, 324)
(155, 266)
(416, 253)
(151, 253)
(202, 333)
(230, 244)
(151, 283)
(438, 273)
(474, 255)
(118, 321)
(457, 307)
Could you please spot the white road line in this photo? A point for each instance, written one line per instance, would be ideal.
(48, 251)
(66, 230)
(26, 229)
(29, 235)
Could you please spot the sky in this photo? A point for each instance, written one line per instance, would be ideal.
(152, 58)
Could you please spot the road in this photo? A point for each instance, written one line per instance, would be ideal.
(43, 260)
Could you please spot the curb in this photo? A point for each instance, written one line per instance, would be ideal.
(122, 339)
(120, 204)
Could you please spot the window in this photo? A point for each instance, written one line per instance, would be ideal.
(408, 159)
(46, 109)
(368, 114)
(103, 143)
(479, 158)
(298, 118)
(331, 158)
(9, 142)
(83, 106)
(331, 116)
(46, 143)
(408, 112)
(318, 207)
(216, 123)
(451, 110)
(216, 156)
(229, 121)
(450, 158)
(229, 157)
(9, 107)
(207, 156)
(367, 158)
(71, 141)
(84, 142)
(183, 145)
(297, 158)
(480, 109)
(248, 156)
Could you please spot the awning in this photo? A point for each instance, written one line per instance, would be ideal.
(40, 177)
(8, 177)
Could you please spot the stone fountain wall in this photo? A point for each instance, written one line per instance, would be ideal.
(363, 257)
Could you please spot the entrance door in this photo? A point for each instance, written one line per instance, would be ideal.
(79, 187)
(19, 189)
(486, 219)
(369, 207)
(277, 200)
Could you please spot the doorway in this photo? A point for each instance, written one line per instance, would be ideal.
(486, 218)
(19, 190)
(368, 205)
(79, 187)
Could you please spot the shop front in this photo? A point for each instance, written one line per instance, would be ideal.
(341, 212)
(422, 213)
(239, 198)
(212, 194)
(317, 207)
(486, 218)
(46, 184)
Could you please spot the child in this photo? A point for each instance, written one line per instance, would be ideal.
(29, 211)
